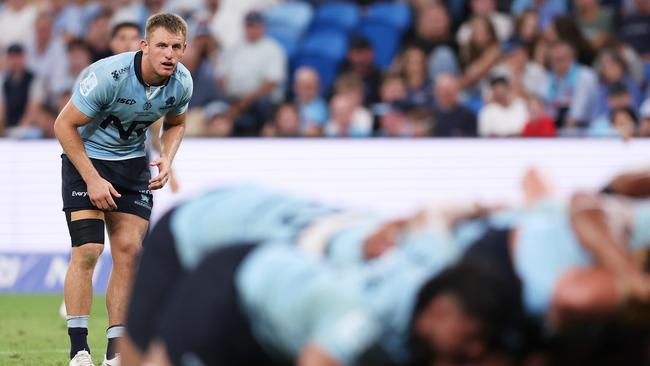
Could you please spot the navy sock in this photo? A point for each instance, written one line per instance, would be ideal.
(78, 340)
(110, 349)
(113, 333)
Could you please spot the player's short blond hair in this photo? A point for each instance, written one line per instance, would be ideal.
(170, 22)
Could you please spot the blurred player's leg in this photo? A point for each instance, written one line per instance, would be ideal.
(126, 232)
(158, 271)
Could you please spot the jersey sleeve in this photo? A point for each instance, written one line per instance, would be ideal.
(347, 337)
(188, 88)
(92, 92)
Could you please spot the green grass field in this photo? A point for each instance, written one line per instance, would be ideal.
(33, 333)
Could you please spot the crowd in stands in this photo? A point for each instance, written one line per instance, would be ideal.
(442, 68)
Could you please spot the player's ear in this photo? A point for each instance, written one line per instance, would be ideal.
(144, 46)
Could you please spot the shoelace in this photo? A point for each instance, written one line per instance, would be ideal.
(85, 360)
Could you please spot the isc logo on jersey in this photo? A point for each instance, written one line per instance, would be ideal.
(88, 84)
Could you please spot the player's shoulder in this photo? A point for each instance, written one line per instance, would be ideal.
(182, 76)
(113, 68)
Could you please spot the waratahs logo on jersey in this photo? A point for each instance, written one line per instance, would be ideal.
(169, 103)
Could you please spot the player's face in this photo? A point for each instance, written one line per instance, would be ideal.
(127, 39)
(163, 51)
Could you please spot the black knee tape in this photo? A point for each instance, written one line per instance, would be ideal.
(85, 231)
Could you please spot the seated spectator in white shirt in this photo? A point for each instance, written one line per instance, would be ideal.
(252, 75)
(47, 58)
(351, 87)
(505, 115)
(17, 23)
(344, 122)
(312, 108)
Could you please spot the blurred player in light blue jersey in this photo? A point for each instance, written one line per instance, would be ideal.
(105, 172)
(302, 289)
(561, 259)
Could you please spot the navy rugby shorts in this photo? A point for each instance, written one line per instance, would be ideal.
(129, 177)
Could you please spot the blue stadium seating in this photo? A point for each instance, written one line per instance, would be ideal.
(332, 44)
(327, 68)
(342, 15)
(292, 17)
(385, 40)
(395, 14)
(287, 40)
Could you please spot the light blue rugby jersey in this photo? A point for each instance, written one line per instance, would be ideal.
(293, 299)
(252, 214)
(112, 92)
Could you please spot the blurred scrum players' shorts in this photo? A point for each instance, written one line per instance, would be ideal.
(194, 310)
(129, 177)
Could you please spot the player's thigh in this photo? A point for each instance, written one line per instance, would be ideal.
(204, 317)
(126, 232)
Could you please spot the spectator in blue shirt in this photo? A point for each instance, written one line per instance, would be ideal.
(572, 88)
(312, 108)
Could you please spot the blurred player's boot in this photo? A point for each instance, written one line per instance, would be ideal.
(82, 358)
(112, 362)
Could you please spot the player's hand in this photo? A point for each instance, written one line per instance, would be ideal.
(383, 239)
(164, 167)
(101, 193)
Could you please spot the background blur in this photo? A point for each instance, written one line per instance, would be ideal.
(576, 70)
(415, 68)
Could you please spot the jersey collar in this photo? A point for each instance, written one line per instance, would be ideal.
(137, 67)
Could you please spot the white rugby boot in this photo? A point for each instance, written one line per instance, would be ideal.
(82, 358)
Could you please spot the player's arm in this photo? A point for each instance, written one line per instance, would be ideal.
(156, 129)
(100, 190)
(632, 184)
(170, 140)
(312, 355)
(594, 232)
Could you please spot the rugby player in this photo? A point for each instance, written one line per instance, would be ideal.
(298, 292)
(105, 175)
(543, 254)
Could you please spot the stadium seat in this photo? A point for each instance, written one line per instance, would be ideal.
(474, 103)
(342, 15)
(385, 40)
(332, 44)
(326, 68)
(288, 41)
(395, 14)
(292, 17)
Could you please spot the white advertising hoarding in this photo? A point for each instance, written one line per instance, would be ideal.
(391, 176)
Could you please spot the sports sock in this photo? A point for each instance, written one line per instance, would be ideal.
(78, 332)
(113, 333)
